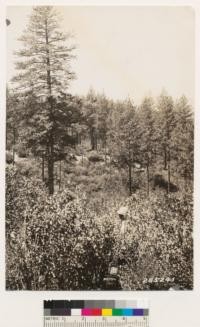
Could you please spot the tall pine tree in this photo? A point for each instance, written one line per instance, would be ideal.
(167, 125)
(44, 70)
(147, 135)
(127, 139)
(184, 138)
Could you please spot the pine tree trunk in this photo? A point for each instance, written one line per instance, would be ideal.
(43, 167)
(78, 138)
(110, 162)
(130, 168)
(51, 165)
(104, 142)
(96, 142)
(155, 152)
(51, 141)
(92, 141)
(148, 178)
(60, 173)
(105, 156)
(165, 158)
(14, 140)
(130, 178)
(169, 173)
(185, 180)
(51, 176)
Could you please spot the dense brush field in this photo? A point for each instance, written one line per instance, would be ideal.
(69, 240)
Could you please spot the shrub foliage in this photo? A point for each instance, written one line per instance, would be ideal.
(58, 242)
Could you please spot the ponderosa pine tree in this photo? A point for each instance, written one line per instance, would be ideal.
(91, 117)
(12, 121)
(104, 107)
(44, 70)
(147, 140)
(127, 139)
(184, 138)
(167, 125)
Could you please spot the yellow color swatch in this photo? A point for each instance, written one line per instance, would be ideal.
(106, 312)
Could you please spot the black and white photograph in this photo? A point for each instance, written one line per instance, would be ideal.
(99, 148)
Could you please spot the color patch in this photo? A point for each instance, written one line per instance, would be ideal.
(77, 304)
(75, 312)
(96, 312)
(106, 312)
(60, 312)
(117, 312)
(86, 312)
(47, 312)
(138, 312)
(127, 312)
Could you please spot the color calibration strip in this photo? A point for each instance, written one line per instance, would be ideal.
(96, 312)
(96, 308)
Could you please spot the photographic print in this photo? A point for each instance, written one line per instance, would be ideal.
(99, 147)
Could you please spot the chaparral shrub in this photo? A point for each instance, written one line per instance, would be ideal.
(63, 242)
(159, 243)
(53, 242)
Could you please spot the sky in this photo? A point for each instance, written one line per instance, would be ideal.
(123, 51)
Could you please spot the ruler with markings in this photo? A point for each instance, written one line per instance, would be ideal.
(55, 321)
